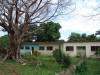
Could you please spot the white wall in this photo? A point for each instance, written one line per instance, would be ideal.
(48, 52)
(75, 44)
(70, 53)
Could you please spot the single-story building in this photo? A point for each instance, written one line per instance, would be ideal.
(45, 48)
(72, 48)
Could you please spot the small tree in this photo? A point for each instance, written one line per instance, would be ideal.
(61, 58)
(58, 55)
(82, 68)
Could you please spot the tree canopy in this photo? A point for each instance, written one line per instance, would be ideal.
(49, 33)
(98, 32)
(82, 37)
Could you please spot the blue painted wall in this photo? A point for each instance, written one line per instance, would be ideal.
(24, 50)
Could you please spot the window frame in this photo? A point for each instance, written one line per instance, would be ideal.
(50, 48)
(94, 48)
(69, 48)
(43, 48)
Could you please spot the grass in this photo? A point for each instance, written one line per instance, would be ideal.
(74, 60)
(48, 67)
(93, 67)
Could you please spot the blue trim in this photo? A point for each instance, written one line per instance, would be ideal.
(24, 50)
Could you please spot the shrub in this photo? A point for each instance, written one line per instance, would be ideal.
(57, 56)
(97, 53)
(66, 61)
(61, 58)
(36, 53)
(82, 68)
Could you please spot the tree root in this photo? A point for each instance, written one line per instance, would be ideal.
(20, 60)
(4, 59)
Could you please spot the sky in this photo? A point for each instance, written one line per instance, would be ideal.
(80, 20)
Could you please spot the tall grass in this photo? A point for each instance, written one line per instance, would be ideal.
(48, 67)
(93, 66)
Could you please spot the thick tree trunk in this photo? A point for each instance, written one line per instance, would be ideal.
(13, 50)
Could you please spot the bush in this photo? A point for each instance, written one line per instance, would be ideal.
(66, 61)
(61, 58)
(82, 68)
(97, 53)
(57, 56)
(36, 53)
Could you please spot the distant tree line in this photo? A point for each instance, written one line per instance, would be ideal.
(82, 37)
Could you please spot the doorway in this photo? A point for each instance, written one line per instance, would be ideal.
(81, 50)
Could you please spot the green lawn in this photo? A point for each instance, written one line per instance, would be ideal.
(93, 67)
(49, 66)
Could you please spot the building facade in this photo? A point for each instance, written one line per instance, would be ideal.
(84, 48)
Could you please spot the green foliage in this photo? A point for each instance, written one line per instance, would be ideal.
(97, 53)
(61, 58)
(98, 32)
(48, 67)
(93, 67)
(4, 41)
(82, 37)
(57, 56)
(82, 67)
(50, 32)
(31, 37)
(66, 61)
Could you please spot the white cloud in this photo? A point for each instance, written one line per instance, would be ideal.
(78, 23)
(2, 33)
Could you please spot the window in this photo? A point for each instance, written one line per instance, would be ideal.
(27, 47)
(41, 48)
(49, 48)
(69, 48)
(94, 48)
(22, 47)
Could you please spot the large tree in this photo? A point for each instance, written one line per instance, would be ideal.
(17, 15)
(49, 33)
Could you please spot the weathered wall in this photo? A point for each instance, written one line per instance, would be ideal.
(48, 52)
(63, 48)
(75, 44)
(24, 50)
